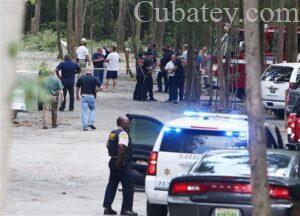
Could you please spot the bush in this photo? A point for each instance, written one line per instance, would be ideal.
(44, 41)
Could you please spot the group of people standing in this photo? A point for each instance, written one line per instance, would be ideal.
(78, 74)
(172, 70)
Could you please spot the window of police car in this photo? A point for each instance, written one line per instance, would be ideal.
(144, 131)
(199, 141)
(278, 164)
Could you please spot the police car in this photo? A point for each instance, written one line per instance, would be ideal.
(180, 143)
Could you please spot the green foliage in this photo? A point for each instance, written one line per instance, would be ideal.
(44, 41)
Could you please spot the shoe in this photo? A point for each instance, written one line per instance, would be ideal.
(152, 99)
(159, 91)
(71, 110)
(131, 213)
(93, 127)
(85, 129)
(168, 101)
(109, 211)
(175, 102)
(61, 109)
(45, 127)
(54, 126)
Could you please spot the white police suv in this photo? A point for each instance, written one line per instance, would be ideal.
(179, 144)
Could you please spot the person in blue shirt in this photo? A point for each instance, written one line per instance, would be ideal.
(66, 71)
(98, 62)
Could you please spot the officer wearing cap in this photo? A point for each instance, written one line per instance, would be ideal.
(120, 170)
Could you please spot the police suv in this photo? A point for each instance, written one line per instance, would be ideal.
(180, 143)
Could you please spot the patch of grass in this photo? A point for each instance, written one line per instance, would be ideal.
(44, 41)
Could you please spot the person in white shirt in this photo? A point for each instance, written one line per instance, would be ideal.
(112, 68)
(170, 68)
(185, 52)
(82, 56)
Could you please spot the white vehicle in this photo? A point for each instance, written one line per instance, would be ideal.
(275, 81)
(18, 102)
(182, 142)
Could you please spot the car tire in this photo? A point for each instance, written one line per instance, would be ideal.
(279, 114)
(156, 210)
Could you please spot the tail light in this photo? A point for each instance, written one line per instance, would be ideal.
(152, 164)
(192, 188)
(293, 85)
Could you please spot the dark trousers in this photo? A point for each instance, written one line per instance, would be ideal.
(139, 92)
(70, 89)
(149, 87)
(99, 74)
(173, 94)
(117, 175)
(162, 75)
(176, 85)
(180, 86)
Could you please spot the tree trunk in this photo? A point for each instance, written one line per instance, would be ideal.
(257, 142)
(58, 31)
(280, 35)
(92, 20)
(35, 27)
(12, 12)
(79, 20)
(121, 26)
(108, 18)
(221, 75)
(71, 38)
(159, 27)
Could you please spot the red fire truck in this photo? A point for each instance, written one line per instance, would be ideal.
(238, 60)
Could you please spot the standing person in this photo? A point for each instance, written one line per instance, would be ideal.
(53, 88)
(87, 84)
(185, 52)
(43, 72)
(147, 68)
(179, 76)
(120, 169)
(170, 68)
(68, 70)
(112, 59)
(139, 92)
(98, 62)
(82, 56)
(163, 74)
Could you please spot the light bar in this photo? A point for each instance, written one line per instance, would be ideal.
(215, 115)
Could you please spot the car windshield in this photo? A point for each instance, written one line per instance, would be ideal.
(199, 141)
(278, 74)
(238, 164)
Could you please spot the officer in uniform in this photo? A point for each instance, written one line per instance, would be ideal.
(148, 77)
(120, 169)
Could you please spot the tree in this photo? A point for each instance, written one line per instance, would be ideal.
(58, 31)
(159, 27)
(12, 12)
(79, 20)
(257, 142)
(280, 40)
(292, 36)
(107, 26)
(71, 38)
(35, 25)
(121, 26)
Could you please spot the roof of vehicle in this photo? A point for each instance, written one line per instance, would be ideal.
(236, 151)
(285, 64)
(210, 123)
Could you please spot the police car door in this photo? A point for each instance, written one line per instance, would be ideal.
(143, 132)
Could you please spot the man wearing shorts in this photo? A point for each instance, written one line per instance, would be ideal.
(112, 69)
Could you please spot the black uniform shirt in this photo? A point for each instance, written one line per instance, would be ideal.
(88, 84)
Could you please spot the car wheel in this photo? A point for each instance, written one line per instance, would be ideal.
(279, 114)
(156, 210)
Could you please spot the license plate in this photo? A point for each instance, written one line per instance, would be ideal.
(227, 212)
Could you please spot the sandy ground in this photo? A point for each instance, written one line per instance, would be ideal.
(64, 171)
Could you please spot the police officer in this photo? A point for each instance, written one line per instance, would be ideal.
(147, 68)
(120, 169)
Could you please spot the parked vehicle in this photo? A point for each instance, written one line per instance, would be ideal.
(18, 102)
(276, 81)
(179, 144)
(219, 184)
